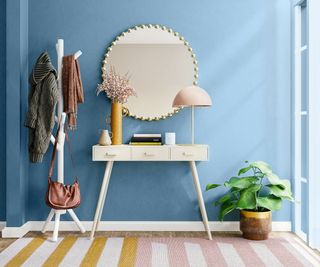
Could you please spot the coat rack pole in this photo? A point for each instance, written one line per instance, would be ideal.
(60, 177)
(61, 114)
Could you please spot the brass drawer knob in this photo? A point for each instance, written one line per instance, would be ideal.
(149, 154)
(110, 155)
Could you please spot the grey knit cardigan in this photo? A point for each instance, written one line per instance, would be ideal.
(43, 97)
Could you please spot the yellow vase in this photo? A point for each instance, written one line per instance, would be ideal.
(116, 123)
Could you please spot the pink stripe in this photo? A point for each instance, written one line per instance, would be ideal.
(247, 254)
(177, 254)
(282, 254)
(144, 252)
(211, 252)
(245, 251)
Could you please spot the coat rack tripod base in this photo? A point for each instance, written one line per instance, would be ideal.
(57, 214)
(60, 147)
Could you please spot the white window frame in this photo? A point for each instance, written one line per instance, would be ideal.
(312, 236)
(313, 14)
(297, 119)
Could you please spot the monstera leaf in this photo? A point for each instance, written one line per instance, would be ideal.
(262, 166)
(223, 199)
(269, 202)
(226, 208)
(275, 180)
(211, 186)
(282, 191)
(247, 198)
(244, 170)
(243, 182)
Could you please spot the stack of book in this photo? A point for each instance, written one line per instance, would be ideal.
(146, 140)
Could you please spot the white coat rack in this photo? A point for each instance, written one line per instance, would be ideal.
(60, 148)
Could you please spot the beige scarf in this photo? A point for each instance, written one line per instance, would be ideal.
(72, 89)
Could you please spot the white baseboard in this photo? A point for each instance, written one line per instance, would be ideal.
(302, 235)
(2, 225)
(17, 232)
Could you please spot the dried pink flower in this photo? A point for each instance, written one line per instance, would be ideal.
(116, 87)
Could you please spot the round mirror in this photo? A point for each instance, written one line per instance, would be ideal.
(159, 63)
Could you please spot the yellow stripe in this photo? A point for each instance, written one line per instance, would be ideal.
(25, 253)
(59, 253)
(128, 252)
(93, 254)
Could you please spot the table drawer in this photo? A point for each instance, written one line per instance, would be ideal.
(148, 153)
(104, 153)
(189, 153)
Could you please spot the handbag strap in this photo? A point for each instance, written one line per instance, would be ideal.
(55, 150)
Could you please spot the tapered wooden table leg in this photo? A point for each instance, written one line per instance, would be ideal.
(200, 198)
(102, 197)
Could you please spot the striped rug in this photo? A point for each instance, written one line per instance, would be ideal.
(157, 252)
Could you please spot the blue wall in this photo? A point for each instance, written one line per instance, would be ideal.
(2, 110)
(243, 50)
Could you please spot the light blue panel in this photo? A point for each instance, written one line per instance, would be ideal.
(304, 207)
(243, 50)
(16, 99)
(304, 80)
(304, 147)
(304, 29)
(2, 110)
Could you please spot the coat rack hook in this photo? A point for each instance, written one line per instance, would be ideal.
(77, 54)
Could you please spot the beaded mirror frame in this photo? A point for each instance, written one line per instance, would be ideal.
(126, 111)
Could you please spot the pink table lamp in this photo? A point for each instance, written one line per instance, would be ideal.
(192, 96)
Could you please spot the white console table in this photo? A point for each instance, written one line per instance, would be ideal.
(110, 154)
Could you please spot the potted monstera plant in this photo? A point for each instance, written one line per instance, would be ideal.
(256, 191)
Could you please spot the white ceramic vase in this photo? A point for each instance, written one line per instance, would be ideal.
(104, 139)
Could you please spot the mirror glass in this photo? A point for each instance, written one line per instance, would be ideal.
(159, 63)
